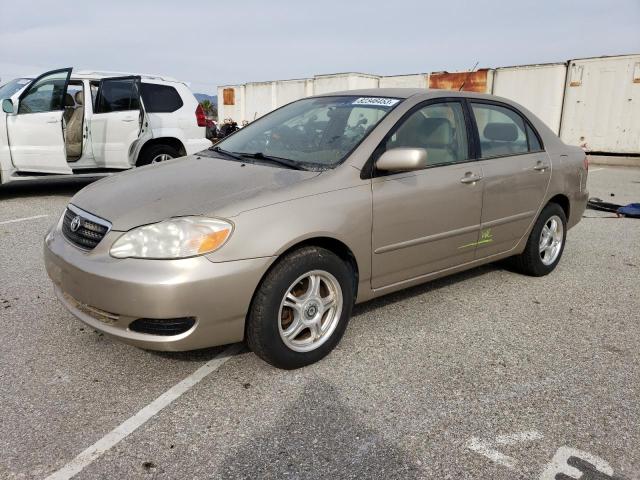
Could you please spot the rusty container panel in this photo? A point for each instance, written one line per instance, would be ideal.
(229, 96)
(478, 81)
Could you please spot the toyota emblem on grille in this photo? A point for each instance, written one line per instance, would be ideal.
(75, 223)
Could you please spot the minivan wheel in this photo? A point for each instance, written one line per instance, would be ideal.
(545, 244)
(301, 309)
(156, 154)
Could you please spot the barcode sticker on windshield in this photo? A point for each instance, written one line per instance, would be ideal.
(384, 102)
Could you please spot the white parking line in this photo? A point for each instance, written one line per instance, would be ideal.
(130, 425)
(24, 219)
(592, 170)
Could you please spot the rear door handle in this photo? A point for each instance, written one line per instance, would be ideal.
(128, 119)
(541, 167)
(470, 178)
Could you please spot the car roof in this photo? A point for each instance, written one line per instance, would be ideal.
(410, 92)
(91, 74)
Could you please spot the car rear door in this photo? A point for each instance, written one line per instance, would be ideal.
(36, 128)
(516, 172)
(428, 220)
(118, 121)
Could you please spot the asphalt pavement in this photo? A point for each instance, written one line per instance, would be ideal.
(486, 374)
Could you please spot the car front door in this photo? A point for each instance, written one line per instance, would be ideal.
(428, 220)
(118, 121)
(36, 130)
(516, 173)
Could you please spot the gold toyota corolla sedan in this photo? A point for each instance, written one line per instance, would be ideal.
(275, 233)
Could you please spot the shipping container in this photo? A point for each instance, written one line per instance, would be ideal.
(417, 80)
(479, 81)
(540, 88)
(343, 81)
(231, 102)
(288, 91)
(259, 99)
(602, 104)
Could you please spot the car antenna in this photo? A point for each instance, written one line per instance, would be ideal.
(467, 77)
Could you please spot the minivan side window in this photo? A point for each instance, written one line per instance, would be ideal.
(438, 128)
(160, 98)
(502, 131)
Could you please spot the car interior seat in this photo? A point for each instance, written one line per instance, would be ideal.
(73, 139)
(69, 106)
(500, 138)
(436, 135)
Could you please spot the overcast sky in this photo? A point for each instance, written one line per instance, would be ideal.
(210, 43)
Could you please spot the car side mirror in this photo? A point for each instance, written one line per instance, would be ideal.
(7, 105)
(402, 160)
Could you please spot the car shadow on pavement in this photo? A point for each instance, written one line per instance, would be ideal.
(425, 288)
(202, 355)
(318, 436)
(38, 188)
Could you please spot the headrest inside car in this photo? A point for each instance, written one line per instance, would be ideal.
(501, 132)
(438, 132)
(68, 100)
(80, 97)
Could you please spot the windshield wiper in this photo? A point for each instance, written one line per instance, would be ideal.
(285, 162)
(227, 153)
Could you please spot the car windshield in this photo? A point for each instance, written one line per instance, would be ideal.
(314, 132)
(9, 88)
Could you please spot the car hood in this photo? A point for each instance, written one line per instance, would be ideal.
(193, 185)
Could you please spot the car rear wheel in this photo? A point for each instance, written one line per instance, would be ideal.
(156, 154)
(545, 244)
(301, 309)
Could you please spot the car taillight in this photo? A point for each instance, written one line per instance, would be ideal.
(586, 163)
(200, 117)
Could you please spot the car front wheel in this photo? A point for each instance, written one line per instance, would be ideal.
(545, 244)
(301, 309)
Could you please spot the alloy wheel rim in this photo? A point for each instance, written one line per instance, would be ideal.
(161, 158)
(551, 239)
(310, 311)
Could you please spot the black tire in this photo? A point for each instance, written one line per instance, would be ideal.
(530, 262)
(148, 154)
(263, 334)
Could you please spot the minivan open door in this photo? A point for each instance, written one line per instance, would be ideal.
(118, 121)
(35, 128)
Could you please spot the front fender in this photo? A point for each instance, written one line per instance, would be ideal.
(343, 215)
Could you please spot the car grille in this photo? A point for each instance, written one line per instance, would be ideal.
(87, 231)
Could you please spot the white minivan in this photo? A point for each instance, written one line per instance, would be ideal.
(93, 123)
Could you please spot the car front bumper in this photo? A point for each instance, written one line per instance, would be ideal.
(109, 294)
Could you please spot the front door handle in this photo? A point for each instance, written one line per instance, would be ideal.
(470, 178)
(541, 167)
(53, 120)
(128, 119)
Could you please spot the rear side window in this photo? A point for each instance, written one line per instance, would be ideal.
(502, 131)
(160, 98)
(117, 95)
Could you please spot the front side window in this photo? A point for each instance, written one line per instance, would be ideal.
(501, 130)
(46, 94)
(316, 131)
(439, 129)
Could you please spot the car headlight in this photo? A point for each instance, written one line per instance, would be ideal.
(174, 238)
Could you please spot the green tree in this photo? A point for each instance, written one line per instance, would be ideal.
(207, 106)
